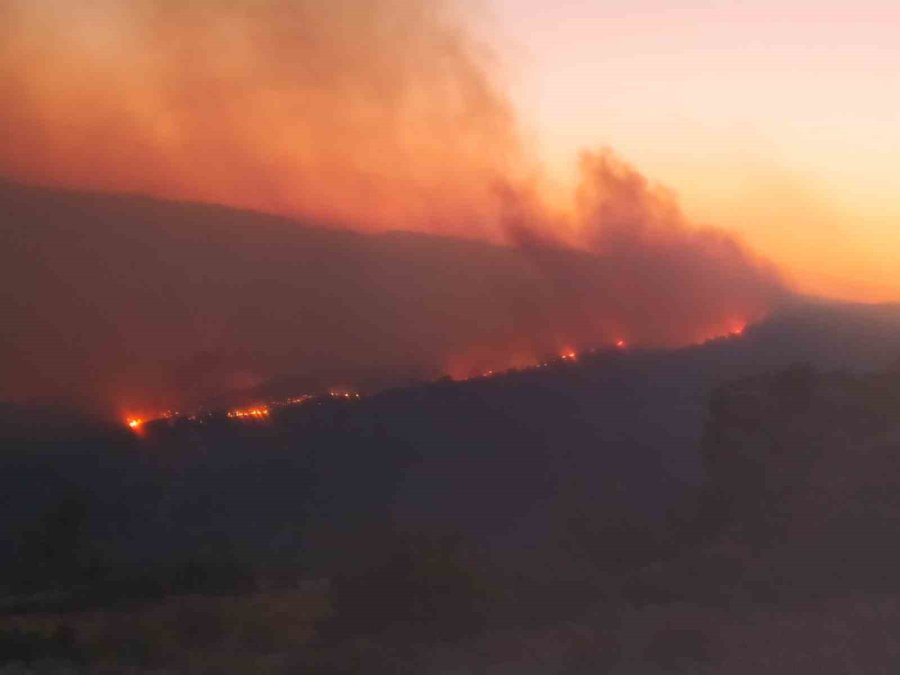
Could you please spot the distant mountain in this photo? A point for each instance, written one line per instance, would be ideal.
(126, 303)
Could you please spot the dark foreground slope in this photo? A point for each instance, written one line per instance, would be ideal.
(506, 525)
(623, 426)
(515, 461)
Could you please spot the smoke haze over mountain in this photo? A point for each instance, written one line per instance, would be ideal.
(134, 303)
(364, 115)
(371, 113)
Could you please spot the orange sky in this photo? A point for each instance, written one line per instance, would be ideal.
(776, 119)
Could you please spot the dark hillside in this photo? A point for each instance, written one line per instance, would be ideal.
(801, 492)
(518, 500)
(541, 467)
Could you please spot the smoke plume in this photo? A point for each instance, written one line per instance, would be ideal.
(365, 115)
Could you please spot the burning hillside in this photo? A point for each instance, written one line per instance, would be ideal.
(134, 304)
(362, 117)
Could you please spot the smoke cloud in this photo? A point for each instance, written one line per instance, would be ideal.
(357, 115)
(364, 113)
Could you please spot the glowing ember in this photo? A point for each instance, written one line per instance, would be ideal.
(135, 423)
(342, 393)
(621, 344)
(259, 412)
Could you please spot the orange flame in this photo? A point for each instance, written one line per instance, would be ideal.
(258, 412)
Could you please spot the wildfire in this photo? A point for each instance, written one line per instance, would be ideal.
(259, 412)
(263, 411)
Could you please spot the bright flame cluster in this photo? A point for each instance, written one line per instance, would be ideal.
(259, 412)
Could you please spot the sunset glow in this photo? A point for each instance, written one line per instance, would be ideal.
(774, 119)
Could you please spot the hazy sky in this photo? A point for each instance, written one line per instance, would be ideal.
(775, 119)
